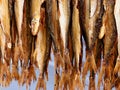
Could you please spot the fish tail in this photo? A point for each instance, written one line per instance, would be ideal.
(57, 79)
(93, 63)
(31, 74)
(107, 84)
(117, 66)
(15, 73)
(64, 81)
(77, 82)
(101, 75)
(85, 68)
(6, 71)
(22, 79)
(20, 48)
(91, 83)
(58, 60)
(92, 80)
(41, 83)
(90, 63)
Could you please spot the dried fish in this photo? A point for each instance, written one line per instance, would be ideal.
(110, 42)
(117, 18)
(35, 12)
(92, 32)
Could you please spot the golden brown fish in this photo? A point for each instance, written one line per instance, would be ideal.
(18, 7)
(5, 42)
(117, 18)
(98, 50)
(91, 34)
(14, 48)
(110, 42)
(40, 50)
(35, 12)
(64, 21)
(76, 33)
(76, 41)
(26, 62)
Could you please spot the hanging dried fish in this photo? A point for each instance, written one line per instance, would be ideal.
(98, 50)
(76, 41)
(5, 43)
(27, 67)
(14, 49)
(35, 12)
(64, 21)
(19, 5)
(52, 15)
(95, 22)
(117, 17)
(110, 42)
(40, 50)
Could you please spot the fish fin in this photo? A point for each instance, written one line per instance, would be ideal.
(101, 75)
(85, 69)
(31, 76)
(34, 57)
(117, 66)
(63, 80)
(58, 60)
(107, 84)
(46, 74)
(90, 63)
(77, 83)
(92, 83)
(5, 75)
(102, 32)
(15, 74)
(57, 80)
(93, 63)
(41, 83)
(22, 79)
(21, 51)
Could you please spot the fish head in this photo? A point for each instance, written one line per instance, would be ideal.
(34, 26)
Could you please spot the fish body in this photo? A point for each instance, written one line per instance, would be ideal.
(117, 18)
(40, 50)
(92, 30)
(35, 14)
(18, 6)
(5, 43)
(5, 18)
(64, 19)
(109, 42)
(111, 30)
(76, 33)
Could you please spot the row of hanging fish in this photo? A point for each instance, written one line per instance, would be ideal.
(30, 30)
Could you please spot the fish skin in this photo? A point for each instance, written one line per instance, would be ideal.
(35, 14)
(91, 33)
(40, 51)
(117, 18)
(110, 35)
(5, 19)
(76, 34)
(19, 16)
(98, 50)
(95, 24)
(64, 19)
(18, 7)
(5, 27)
(110, 42)
(5, 43)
